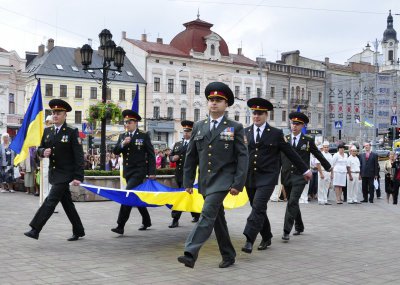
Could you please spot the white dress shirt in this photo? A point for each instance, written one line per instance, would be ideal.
(262, 128)
(216, 125)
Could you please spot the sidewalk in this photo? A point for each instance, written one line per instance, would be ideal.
(342, 244)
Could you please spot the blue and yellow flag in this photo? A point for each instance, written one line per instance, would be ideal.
(31, 132)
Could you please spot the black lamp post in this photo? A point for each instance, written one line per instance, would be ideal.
(110, 53)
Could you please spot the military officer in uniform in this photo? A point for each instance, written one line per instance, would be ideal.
(292, 177)
(217, 147)
(178, 155)
(136, 148)
(62, 145)
(264, 144)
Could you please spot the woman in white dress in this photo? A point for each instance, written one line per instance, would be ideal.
(339, 162)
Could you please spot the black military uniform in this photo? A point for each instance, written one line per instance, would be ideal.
(138, 161)
(264, 144)
(292, 177)
(66, 165)
(217, 147)
(180, 150)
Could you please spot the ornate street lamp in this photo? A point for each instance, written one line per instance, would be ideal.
(111, 54)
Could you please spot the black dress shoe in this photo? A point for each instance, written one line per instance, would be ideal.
(364, 201)
(195, 219)
(327, 203)
(248, 247)
(264, 244)
(297, 233)
(143, 227)
(32, 234)
(226, 263)
(186, 260)
(371, 201)
(285, 237)
(75, 237)
(118, 230)
(174, 224)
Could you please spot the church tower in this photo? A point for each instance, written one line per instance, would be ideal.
(389, 43)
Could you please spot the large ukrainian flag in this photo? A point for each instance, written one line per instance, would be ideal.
(31, 132)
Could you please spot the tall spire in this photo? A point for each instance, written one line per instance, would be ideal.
(198, 13)
(390, 32)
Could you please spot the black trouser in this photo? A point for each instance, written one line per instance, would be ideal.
(58, 193)
(395, 193)
(294, 188)
(176, 215)
(258, 221)
(368, 187)
(313, 185)
(212, 217)
(125, 211)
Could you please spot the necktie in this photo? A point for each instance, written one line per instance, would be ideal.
(185, 143)
(294, 141)
(258, 137)
(214, 127)
(56, 130)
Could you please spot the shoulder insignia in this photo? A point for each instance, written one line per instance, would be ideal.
(225, 123)
(285, 139)
(268, 130)
(206, 121)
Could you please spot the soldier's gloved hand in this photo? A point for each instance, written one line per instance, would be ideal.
(47, 152)
(234, 191)
(126, 141)
(189, 190)
(308, 175)
(75, 182)
(175, 157)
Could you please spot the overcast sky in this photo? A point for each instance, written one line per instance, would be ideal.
(318, 28)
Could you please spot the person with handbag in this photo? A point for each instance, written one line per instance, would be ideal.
(387, 170)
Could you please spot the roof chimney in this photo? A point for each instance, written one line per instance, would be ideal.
(144, 37)
(77, 56)
(159, 40)
(41, 50)
(123, 35)
(90, 42)
(50, 44)
(326, 60)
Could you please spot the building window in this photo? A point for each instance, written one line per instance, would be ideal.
(309, 96)
(159, 135)
(297, 92)
(183, 114)
(93, 92)
(63, 90)
(170, 113)
(121, 94)
(271, 115)
(390, 55)
(171, 62)
(48, 112)
(11, 103)
(78, 91)
(156, 112)
(212, 50)
(156, 84)
(284, 94)
(197, 88)
(237, 116)
(302, 93)
(258, 92)
(310, 117)
(272, 92)
(196, 115)
(133, 95)
(248, 91)
(183, 86)
(319, 97)
(283, 116)
(78, 117)
(170, 86)
(319, 118)
(247, 118)
(49, 90)
(237, 91)
(108, 94)
(227, 114)
(157, 61)
(292, 93)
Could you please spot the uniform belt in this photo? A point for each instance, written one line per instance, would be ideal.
(355, 171)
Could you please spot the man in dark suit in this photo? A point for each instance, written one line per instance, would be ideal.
(138, 160)
(217, 147)
(292, 177)
(178, 155)
(62, 145)
(264, 144)
(369, 170)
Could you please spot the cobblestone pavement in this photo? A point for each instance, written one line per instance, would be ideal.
(342, 244)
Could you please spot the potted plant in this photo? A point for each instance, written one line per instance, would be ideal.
(107, 110)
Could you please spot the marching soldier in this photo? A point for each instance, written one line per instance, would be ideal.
(264, 144)
(292, 177)
(61, 144)
(136, 147)
(178, 155)
(217, 147)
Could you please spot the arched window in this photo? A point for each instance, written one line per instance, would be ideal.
(212, 50)
(302, 93)
(297, 92)
(237, 116)
(390, 57)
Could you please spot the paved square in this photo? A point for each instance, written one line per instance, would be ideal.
(342, 244)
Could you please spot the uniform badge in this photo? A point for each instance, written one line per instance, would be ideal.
(226, 146)
(303, 147)
(139, 143)
(64, 138)
(228, 134)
